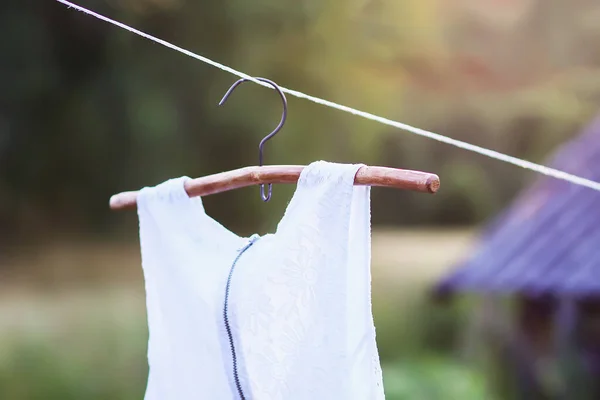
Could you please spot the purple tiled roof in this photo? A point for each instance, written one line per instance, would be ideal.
(548, 240)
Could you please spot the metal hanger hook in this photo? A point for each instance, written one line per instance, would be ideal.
(264, 197)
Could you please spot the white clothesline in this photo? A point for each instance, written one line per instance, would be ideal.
(577, 180)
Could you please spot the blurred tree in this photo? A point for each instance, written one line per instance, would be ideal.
(89, 109)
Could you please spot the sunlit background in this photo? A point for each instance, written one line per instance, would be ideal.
(88, 110)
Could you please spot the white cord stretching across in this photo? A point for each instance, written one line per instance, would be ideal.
(422, 132)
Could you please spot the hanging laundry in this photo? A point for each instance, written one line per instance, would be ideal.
(298, 316)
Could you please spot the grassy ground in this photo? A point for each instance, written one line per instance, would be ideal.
(77, 328)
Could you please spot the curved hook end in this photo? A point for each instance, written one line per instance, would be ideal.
(235, 84)
(266, 197)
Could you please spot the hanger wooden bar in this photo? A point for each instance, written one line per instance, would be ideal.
(366, 176)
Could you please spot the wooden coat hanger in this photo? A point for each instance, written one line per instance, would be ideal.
(267, 175)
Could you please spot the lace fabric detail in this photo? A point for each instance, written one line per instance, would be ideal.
(299, 306)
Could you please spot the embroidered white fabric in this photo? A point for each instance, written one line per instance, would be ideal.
(299, 302)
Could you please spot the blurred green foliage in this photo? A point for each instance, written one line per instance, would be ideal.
(89, 109)
(433, 379)
(99, 352)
